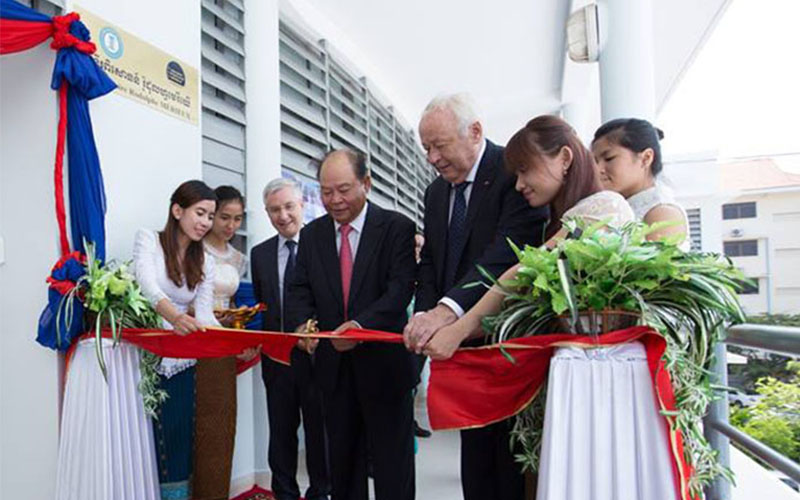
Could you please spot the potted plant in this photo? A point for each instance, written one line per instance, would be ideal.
(601, 279)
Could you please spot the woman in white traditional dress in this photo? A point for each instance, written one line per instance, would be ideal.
(628, 156)
(215, 426)
(603, 436)
(178, 280)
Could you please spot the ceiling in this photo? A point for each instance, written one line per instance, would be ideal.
(509, 54)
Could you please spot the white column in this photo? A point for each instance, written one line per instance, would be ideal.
(263, 136)
(263, 163)
(576, 114)
(627, 67)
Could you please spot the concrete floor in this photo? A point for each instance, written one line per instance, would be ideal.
(438, 467)
(437, 463)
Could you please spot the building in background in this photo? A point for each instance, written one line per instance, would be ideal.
(750, 211)
(760, 233)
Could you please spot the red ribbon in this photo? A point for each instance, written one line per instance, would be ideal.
(64, 286)
(243, 366)
(62, 38)
(58, 173)
(20, 35)
(476, 387)
(479, 386)
(223, 342)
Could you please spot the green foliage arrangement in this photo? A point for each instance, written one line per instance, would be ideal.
(687, 297)
(113, 300)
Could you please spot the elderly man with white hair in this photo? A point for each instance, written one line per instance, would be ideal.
(470, 211)
(291, 390)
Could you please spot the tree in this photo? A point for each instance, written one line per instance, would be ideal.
(775, 418)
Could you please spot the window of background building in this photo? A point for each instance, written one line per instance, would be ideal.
(744, 248)
(695, 233)
(750, 287)
(324, 106)
(223, 98)
(745, 210)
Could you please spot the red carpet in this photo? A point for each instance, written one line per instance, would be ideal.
(256, 494)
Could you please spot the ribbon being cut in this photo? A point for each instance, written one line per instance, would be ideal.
(475, 388)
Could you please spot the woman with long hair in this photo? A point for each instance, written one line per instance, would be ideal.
(177, 278)
(628, 156)
(603, 437)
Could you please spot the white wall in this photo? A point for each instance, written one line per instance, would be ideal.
(144, 155)
(28, 372)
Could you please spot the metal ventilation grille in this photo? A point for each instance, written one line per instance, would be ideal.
(695, 234)
(223, 98)
(49, 7)
(325, 106)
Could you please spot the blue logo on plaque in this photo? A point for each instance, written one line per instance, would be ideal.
(111, 42)
(175, 73)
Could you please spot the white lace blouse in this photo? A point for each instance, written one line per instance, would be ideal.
(150, 270)
(229, 268)
(601, 206)
(644, 201)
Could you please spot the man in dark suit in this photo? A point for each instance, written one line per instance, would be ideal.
(355, 269)
(291, 390)
(470, 211)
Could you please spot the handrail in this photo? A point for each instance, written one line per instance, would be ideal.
(779, 339)
(783, 340)
(759, 449)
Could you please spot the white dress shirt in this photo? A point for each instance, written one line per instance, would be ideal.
(470, 179)
(283, 258)
(452, 304)
(355, 235)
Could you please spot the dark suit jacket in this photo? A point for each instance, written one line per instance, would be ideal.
(381, 288)
(496, 211)
(264, 272)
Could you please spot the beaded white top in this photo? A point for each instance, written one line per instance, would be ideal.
(229, 267)
(644, 201)
(601, 206)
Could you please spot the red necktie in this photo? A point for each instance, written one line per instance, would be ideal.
(345, 263)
